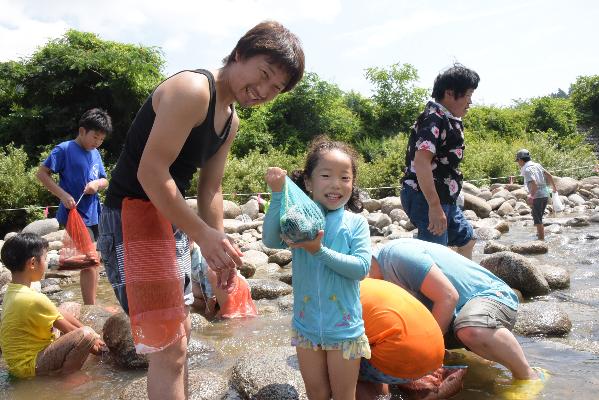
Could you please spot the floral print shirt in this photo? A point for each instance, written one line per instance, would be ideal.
(438, 131)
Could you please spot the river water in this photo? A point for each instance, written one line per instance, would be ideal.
(573, 361)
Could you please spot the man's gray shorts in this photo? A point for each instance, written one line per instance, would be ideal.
(110, 244)
(484, 312)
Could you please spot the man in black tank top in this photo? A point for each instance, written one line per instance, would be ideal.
(187, 123)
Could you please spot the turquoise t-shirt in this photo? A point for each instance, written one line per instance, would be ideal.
(406, 262)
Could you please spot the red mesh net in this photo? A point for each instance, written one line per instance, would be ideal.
(78, 250)
(152, 277)
(239, 302)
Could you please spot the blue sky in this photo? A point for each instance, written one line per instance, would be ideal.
(520, 48)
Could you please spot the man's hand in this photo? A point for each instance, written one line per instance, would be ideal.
(222, 256)
(99, 347)
(68, 201)
(437, 221)
(311, 246)
(91, 187)
(275, 178)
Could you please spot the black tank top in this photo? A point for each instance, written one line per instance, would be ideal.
(201, 144)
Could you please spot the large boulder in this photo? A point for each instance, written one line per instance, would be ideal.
(565, 185)
(493, 246)
(542, 318)
(251, 208)
(230, 209)
(557, 277)
(469, 188)
(282, 257)
(42, 226)
(371, 205)
(518, 272)
(530, 247)
(476, 204)
(270, 375)
(390, 203)
(94, 316)
(268, 289)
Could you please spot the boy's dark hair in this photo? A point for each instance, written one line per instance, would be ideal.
(20, 248)
(273, 40)
(322, 144)
(458, 78)
(96, 119)
(525, 159)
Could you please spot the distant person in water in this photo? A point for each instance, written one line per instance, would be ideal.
(535, 181)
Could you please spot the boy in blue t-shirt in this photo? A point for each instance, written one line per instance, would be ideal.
(81, 175)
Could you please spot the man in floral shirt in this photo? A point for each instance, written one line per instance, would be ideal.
(432, 180)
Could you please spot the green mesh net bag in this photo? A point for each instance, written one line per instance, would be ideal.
(301, 217)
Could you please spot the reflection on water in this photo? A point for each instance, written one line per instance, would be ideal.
(573, 361)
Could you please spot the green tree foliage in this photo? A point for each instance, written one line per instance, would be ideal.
(314, 107)
(398, 100)
(584, 94)
(43, 97)
(19, 188)
(504, 122)
(554, 114)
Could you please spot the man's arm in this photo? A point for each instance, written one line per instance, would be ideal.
(424, 173)
(549, 177)
(443, 294)
(44, 175)
(177, 103)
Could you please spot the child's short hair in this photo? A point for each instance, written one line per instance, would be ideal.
(20, 248)
(96, 119)
(273, 40)
(458, 78)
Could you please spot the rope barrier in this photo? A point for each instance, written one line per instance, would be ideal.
(595, 168)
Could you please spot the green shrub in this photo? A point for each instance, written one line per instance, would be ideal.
(584, 94)
(553, 113)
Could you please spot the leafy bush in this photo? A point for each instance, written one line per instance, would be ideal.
(553, 113)
(19, 189)
(584, 94)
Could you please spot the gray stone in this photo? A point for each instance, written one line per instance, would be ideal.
(117, 336)
(530, 247)
(470, 215)
(486, 233)
(505, 209)
(230, 209)
(518, 272)
(251, 208)
(557, 277)
(268, 289)
(577, 222)
(42, 226)
(371, 205)
(542, 319)
(398, 215)
(51, 289)
(469, 188)
(281, 257)
(565, 185)
(247, 269)
(576, 199)
(199, 322)
(5, 276)
(94, 316)
(494, 247)
(232, 225)
(476, 204)
(554, 228)
(270, 375)
(55, 236)
(495, 202)
(255, 257)
(485, 195)
(390, 203)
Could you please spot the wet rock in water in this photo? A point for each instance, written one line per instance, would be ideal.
(594, 217)
(42, 226)
(198, 322)
(94, 316)
(557, 277)
(542, 318)
(285, 277)
(268, 289)
(476, 204)
(577, 222)
(281, 257)
(505, 209)
(554, 228)
(198, 352)
(285, 303)
(531, 247)
(117, 336)
(272, 375)
(203, 384)
(518, 272)
(486, 233)
(493, 246)
(247, 269)
(50, 289)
